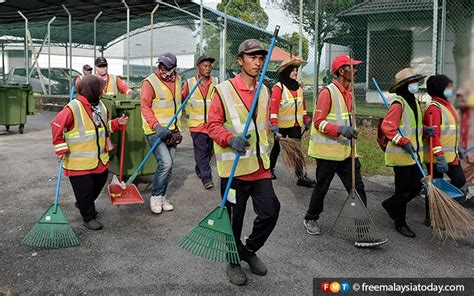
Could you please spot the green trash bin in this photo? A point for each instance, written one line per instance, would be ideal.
(136, 146)
(16, 101)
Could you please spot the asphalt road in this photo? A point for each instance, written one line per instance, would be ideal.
(136, 252)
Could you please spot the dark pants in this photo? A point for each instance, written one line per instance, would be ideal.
(265, 204)
(291, 132)
(455, 174)
(86, 190)
(325, 171)
(202, 144)
(407, 187)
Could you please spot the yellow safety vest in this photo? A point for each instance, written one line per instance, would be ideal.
(111, 85)
(196, 109)
(449, 135)
(395, 155)
(236, 115)
(85, 151)
(324, 146)
(164, 105)
(291, 108)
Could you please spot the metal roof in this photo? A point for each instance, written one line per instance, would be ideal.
(387, 6)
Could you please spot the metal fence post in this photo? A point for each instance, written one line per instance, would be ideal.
(442, 45)
(435, 37)
(70, 44)
(316, 51)
(128, 41)
(151, 36)
(49, 54)
(95, 35)
(26, 48)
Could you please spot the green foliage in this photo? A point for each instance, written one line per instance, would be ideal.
(249, 11)
(294, 39)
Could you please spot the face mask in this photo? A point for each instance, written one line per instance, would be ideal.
(102, 71)
(448, 92)
(413, 87)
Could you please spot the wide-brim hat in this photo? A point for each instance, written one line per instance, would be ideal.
(295, 61)
(403, 77)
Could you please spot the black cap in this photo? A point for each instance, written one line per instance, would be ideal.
(205, 58)
(100, 61)
(86, 67)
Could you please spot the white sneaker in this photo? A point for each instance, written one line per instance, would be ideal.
(156, 203)
(166, 205)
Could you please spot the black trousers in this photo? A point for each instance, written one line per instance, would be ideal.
(291, 132)
(202, 145)
(407, 187)
(325, 171)
(455, 174)
(265, 204)
(86, 190)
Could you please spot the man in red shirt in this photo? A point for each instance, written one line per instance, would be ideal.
(86, 70)
(196, 113)
(113, 84)
(227, 115)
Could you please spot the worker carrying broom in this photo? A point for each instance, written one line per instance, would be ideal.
(330, 143)
(195, 115)
(404, 113)
(160, 100)
(227, 116)
(113, 83)
(81, 137)
(288, 114)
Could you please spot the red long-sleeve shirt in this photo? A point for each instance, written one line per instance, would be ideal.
(391, 123)
(216, 121)
(64, 120)
(147, 94)
(204, 88)
(275, 105)
(436, 117)
(323, 106)
(121, 86)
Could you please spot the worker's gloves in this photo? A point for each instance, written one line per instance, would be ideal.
(134, 94)
(430, 131)
(409, 148)
(347, 132)
(239, 144)
(307, 125)
(162, 132)
(275, 130)
(441, 165)
(462, 153)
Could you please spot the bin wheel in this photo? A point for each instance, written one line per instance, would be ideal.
(7, 127)
(21, 129)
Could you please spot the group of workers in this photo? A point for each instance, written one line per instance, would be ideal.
(216, 114)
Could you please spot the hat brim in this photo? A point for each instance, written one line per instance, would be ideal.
(87, 69)
(102, 64)
(254, 51)
(294, 62)
(212, 60)
(354, 63)
(394, 87)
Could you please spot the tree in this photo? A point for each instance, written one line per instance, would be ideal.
(294, 39)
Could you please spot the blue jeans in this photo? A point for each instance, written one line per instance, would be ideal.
(164, 156)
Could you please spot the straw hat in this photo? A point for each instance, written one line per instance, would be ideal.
(295, 61)
(404, 77)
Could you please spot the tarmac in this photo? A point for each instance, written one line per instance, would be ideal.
(136, 253)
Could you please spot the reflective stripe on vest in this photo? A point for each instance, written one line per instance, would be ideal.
(164, 105)
(326, 147)
(112, 85)
(395, 155)
(197, 108)
(291, 108)
(236, 115)
(449, 135)
(84, 153)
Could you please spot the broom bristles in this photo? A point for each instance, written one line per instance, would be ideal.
(211, 245)
(53, 236)
(448, 218)
(293, 155)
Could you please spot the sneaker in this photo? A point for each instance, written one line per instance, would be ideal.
(236, 275)
(272, 172)
(370, 243)
(93, 224)
(306, 182)
(166, 205)
(156, 202)
(312, 226)
(256, 265)
(208, 185)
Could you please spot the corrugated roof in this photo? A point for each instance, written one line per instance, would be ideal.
(388, 6)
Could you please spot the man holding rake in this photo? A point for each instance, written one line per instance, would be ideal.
(227, 116)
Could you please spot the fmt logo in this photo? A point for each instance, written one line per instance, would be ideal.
(334, 287)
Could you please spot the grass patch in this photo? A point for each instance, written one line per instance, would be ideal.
(370, 154)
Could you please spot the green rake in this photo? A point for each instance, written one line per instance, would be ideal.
(213, 238)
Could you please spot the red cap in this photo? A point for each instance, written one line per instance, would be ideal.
(343, 60)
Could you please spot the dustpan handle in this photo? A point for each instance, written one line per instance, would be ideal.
(122, 152)
(249, 118)
(402, 133)
(158, 142)
(431, 148)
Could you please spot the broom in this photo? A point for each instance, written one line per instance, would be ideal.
(213, 238)
(292, 154)
(354, 221)
(53, 230)
(448, 218)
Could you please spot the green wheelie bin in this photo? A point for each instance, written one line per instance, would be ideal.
(16, 102)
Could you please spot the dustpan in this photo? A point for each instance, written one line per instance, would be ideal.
(121, 193)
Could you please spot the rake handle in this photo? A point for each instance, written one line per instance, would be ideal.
(353, 121)
(249, 118)
(158, 142)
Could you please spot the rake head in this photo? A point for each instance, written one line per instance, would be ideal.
(212, 238)
(52, 231)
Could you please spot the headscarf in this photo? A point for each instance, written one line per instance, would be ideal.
(409, 98)
(91, 87)
(285, 79)
(435, 85)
